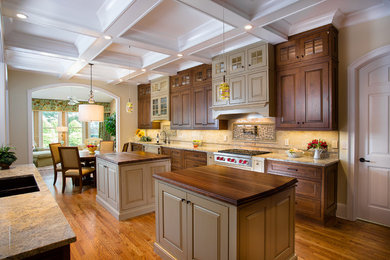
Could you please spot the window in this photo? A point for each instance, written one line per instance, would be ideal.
(75, 129)
(49, 125)
(93, 128)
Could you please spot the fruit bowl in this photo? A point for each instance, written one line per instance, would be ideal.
(294, 153)
(196, 143)
(91, 148)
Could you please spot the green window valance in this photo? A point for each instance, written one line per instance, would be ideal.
(62, 105)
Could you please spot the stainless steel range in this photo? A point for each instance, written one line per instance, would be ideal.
(237, 158)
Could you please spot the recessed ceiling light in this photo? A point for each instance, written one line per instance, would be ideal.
(179, 55)
(143, 70)
(107, 37)
(248, 27)
(21, 16)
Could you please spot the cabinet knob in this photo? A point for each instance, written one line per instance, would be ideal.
(188, 202)
(303, 123)
(298, 123)
(242, 67)
(364, 160)
(182, 200)
(297, 57)
(249, 65)
(303, 55)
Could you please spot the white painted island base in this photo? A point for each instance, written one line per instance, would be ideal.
(127, 190)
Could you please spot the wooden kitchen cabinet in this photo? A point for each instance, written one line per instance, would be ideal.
(181, 109)
(182, 159)
(136, 147)
(160, 99)
(316, 191)
(144, 108)
(236, 62)
(202, 75)
(306, 93)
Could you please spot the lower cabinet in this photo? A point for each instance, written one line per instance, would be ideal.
(316, 191)
(192, 226)
(136, 147)
(182, 159)
(128, 190)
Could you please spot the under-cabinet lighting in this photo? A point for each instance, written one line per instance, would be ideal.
(143, 70)
(21, 16)
(107, 37)
(179, 55)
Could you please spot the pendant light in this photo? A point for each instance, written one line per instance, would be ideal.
(91, 112)
(224, 89)
(129, 104)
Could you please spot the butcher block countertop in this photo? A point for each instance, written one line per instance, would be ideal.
(31, 223)
(131, 157)
(230, 185)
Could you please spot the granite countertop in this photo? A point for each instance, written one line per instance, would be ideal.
(131, 157)
(302, 160)
(222, 183)
(31, 223)
(188, 147)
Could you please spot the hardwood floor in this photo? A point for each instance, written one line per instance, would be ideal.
(101, 236)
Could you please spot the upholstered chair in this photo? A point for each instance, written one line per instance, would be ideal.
(106, 146)
(55, 156)
(125, 147)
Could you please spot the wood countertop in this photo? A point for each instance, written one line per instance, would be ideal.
(31, 223)
(230, 185)
(131, 157)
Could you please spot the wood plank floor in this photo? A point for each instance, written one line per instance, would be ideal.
(101, 236)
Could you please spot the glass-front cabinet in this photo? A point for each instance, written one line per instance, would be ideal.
(160, 99)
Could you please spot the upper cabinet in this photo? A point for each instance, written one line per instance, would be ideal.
(191, 100)
(250, 75)
(307, 76)
(160, 99)
(144, 108)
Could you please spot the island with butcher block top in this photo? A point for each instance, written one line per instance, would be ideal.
(125, 186)
(218, 212)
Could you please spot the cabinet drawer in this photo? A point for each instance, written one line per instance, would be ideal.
(294, 170)
(188, 163)
(136, 147)
(308, 207)
(309, 189)
(176, 154)
(197, 156)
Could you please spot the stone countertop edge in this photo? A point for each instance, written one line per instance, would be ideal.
(301, 160)
(31, 223)
(182, 147)
(131, 157)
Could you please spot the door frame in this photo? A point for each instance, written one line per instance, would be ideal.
(353, 126)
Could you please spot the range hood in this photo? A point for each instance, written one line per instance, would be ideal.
(244, 110)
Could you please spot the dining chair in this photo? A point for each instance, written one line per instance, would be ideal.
(125, 147)
(106, 146)
(71, 166)
(55, 157)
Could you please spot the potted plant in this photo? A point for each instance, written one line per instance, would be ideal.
(6, 157)
(319, 147)
(110, 124)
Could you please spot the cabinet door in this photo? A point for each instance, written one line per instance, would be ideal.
(258, 87)
(172, 220)
(288, 99)
(155, 108)
(163, 108)
(314, 46)
(287, 53)
(189, 163)
(237, 90)
(199, 99)
(236, 62)
(210, 121)
(175, 82)
(217, 101)
(208, 229)
(315, 95)
(101, 180)
(176, 110)
(133, 186)
(152, 169)
(219, 67)
(186, 105)
(112, 186)
(257, 57)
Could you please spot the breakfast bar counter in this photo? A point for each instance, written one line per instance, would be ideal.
(218, 212)
(32, 224)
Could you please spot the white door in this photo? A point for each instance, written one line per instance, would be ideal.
(374, 142)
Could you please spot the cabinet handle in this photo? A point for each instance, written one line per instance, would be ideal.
(303, 56)
(242, 67)
(297, 57)
(292, 169)
(188, 202)
(303, 123)
(298, 123)
(182, 200)
(249, 65)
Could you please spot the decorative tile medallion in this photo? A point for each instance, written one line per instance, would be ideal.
(254, 131)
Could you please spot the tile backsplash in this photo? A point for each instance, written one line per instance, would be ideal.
(266, 134)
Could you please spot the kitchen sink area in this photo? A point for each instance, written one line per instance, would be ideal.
(15, 185)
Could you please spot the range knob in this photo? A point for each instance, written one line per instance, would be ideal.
(233, 160)
(245, 162)
(240, 161)
(229, 159)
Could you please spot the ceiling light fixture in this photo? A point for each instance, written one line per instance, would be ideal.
(224, 89)
(21, 16)
(248, 27)
(91, 112)
(143, 70)
(129, 104)
(179, 55)
(107, 37)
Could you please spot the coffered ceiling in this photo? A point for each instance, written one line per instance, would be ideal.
(138, 40)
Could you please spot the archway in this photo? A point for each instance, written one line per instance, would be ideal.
(51, 86)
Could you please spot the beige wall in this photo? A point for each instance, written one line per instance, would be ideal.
(354, 42)
(19, 84)
(3, 85)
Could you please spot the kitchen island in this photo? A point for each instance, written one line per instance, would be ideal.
(125, 186)
(218, 212)
(31, 224)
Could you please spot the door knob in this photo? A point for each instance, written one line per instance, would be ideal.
(364, 160)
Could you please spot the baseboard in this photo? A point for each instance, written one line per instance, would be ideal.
(160, 251)
(341, 211)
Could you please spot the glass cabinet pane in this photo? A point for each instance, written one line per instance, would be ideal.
(164, 105)
(155, 107)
